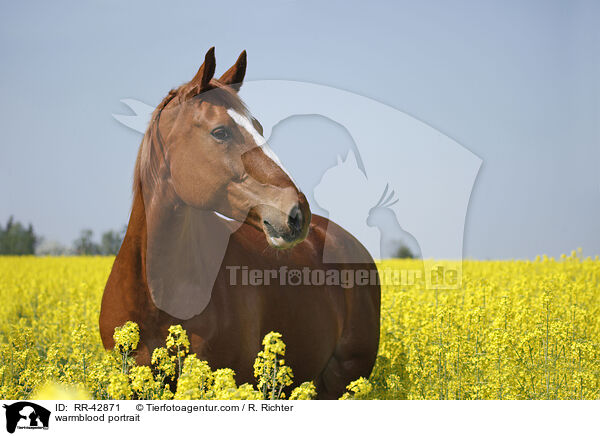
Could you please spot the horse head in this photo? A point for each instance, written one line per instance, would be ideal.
(209, 153)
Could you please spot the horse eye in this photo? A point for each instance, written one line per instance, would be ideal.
(221, 133)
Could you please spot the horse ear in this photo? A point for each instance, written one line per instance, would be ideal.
(201, 81)
(234, 76)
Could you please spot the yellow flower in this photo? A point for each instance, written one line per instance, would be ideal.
(127, 337)
(163, 363)
(142, 382)
(60, 391)
(306, 391)
(195, 380)
(513, 330)
(119, 388)
(359, 390)
(177, 341)
(270, 371)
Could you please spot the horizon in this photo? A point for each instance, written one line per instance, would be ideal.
(518, 87)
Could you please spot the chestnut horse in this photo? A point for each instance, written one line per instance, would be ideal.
(210, 200)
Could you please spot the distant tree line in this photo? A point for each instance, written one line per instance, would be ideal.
(110, 243)
(404, 252)
(17, 239)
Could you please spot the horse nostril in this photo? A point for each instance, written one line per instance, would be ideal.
(295, 220)
(269, 227)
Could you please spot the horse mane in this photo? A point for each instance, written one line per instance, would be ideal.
(147, 165)
(146, 161)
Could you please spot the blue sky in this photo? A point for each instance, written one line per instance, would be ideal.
(515, 82)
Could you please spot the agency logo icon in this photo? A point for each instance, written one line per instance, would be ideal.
(26, 415)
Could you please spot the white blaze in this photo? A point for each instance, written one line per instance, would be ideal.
(247, 125)
(220, 215)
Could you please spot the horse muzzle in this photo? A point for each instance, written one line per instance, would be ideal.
(285, 230)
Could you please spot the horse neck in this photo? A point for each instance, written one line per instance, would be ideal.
(133, 249)
(180, 250)
(135, 243)
(160, 221)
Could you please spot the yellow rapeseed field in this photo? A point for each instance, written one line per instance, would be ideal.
(514, 330)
